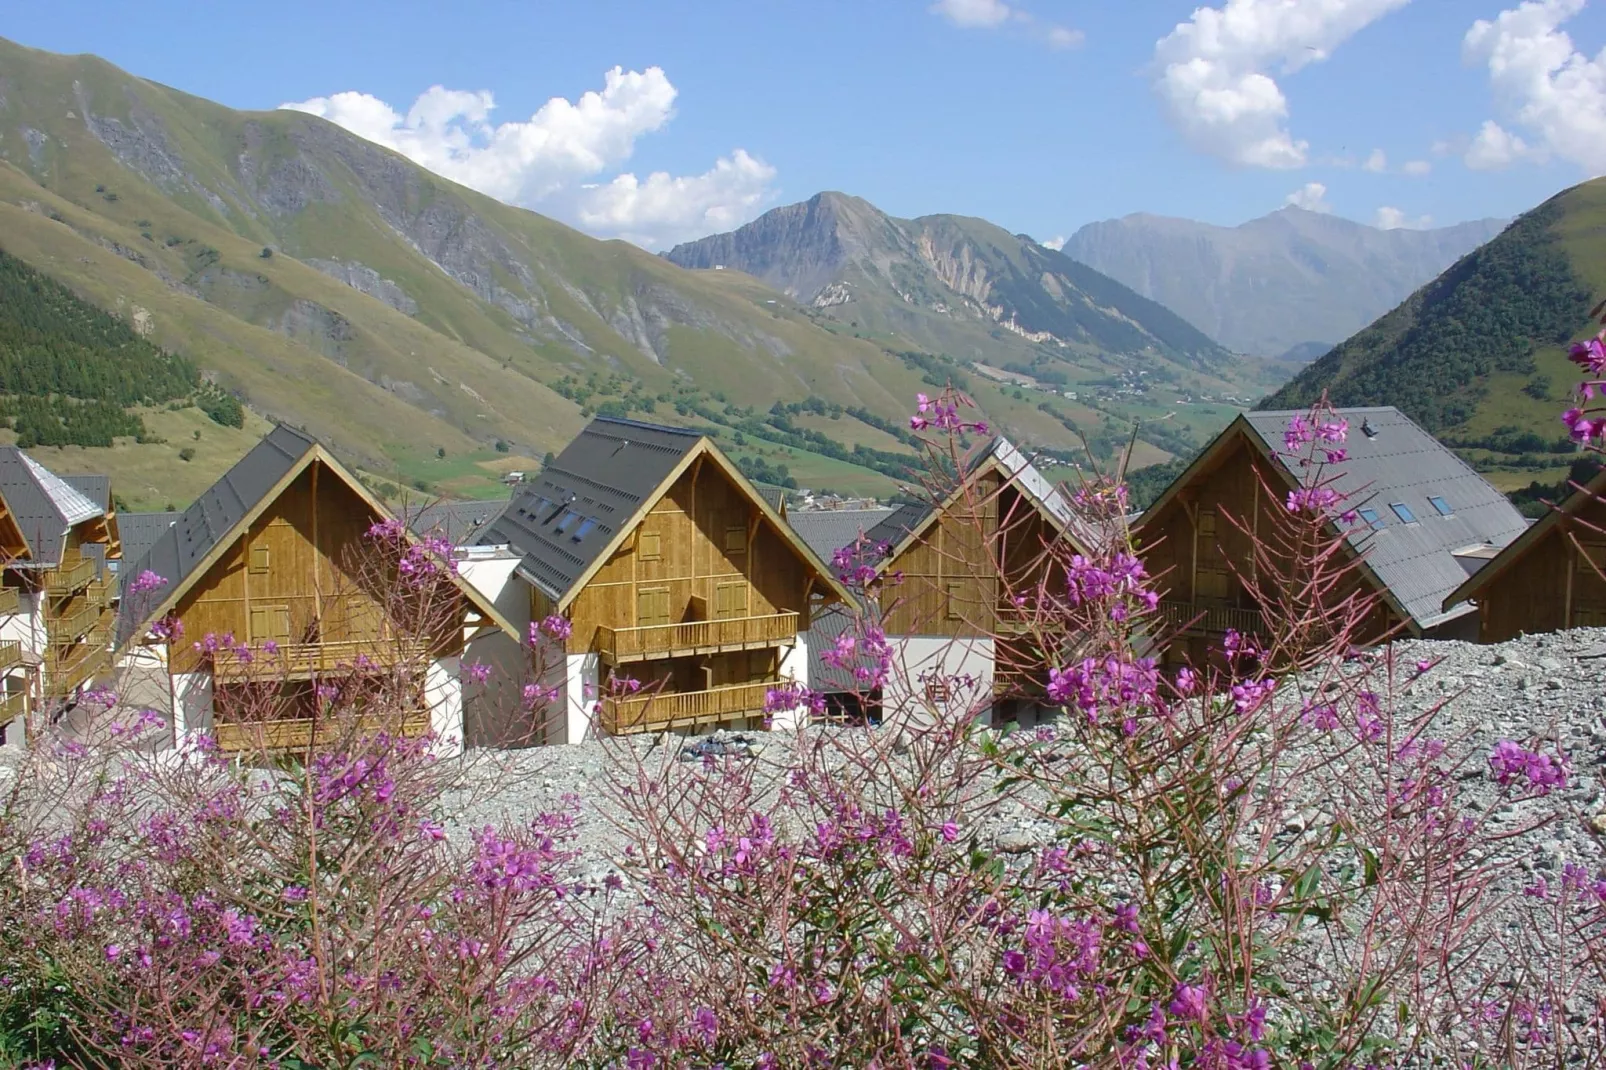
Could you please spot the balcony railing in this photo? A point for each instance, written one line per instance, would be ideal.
(1213, 619)
(10, 601)
(341, 657)
(78, 664)
(13, 704)
(69, 577)
(10, 655)
(75, 621)
(683, 709)
(696, 637)
(304, 734)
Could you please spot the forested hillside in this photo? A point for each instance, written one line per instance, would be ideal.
(70, 373)
(1478, 356)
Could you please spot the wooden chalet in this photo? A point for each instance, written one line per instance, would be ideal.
(673, 570)
(1421, 512)
(59, 541)
(1548, 579)
(951, 617)
(277, 555)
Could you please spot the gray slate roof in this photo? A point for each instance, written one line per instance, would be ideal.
(458, 521)
(141, 530)
(45, 506)
(776, 496)
(561, 521)
(180, 549)
(828, 530)
(97, 489)
(1401, 463)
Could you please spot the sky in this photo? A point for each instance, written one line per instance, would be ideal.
(663, 121)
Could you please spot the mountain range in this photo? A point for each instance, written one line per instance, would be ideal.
(1478, 355)
(1290, 284)
(437, 338)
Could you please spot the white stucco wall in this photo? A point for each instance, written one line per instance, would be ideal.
(27, 628)
(794, 666)
(443, 691)
(919, 658)
(579, 698)
(192, 704)
(494, 713)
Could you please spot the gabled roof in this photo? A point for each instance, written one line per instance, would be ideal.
(97, 489)
(221, 515)
(908, 522)
(459, 522)
(828, 530)
(1411, 562)
(579, 510)
(140, 532)
(44, 506)
(1519, 546)
(776, 496)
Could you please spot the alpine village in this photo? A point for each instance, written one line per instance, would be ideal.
(862, 640)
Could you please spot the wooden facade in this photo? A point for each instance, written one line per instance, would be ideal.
(698, 602)
(1198, 542)
(1549, 579)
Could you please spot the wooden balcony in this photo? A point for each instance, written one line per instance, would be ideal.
(13, 704)
(10, 655)
(299, 734)
(77, 665)
(10, 601)
(75, 621)
(1212, 620)
(300, 660)
(684, 709)
(696, 637)
(69, 577)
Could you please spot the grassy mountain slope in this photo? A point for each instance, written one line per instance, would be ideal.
(1479, 355)
(334, 284)
(1284, 284)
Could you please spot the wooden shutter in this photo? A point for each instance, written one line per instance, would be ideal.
(652, 606)
(259, 560)
(270, 622)
(735, 540)
(652, 546)
(730, 600)
(954, 600)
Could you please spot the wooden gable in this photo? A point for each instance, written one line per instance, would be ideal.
(705, 547)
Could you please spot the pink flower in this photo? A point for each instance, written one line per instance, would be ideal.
(949, 831)
(146, 582)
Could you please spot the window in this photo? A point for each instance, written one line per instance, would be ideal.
(936, 690)
(1372, 519)
(584, 529)
(1440, 504)
(1403, 511)
(651, 547)
(735, 540)
(259, 560)
(730, 600)
(270, 622)
(652, 606)
(565, 518)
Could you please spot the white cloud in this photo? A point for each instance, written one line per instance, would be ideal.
(1542, 85)
(1393, 219)
(1214, 79)
(1056, 243)
(1494, 148)
(544, 161)
(666, 209)
(1377, 163)
(971, 14)
(1417, 168)
(991, 14)
(1312, 197)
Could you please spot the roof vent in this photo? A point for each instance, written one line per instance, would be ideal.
(1367, 429)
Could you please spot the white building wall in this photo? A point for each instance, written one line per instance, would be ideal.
(495, 713)
(965, 664)
(26, 628)
(443, 691)
(579, 698)
(192, 704)
(795, 667)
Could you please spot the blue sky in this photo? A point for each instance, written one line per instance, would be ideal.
(1040, 115)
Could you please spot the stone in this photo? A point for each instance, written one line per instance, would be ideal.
(1597, 823)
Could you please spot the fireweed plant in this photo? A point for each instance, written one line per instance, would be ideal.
(1250, 861)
